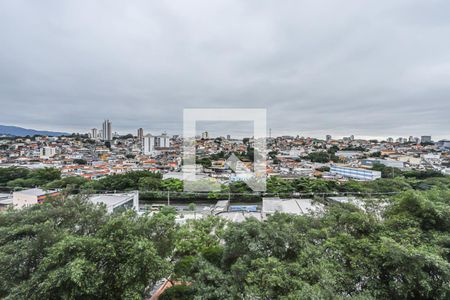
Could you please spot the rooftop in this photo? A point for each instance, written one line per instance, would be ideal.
(35, 192)
(240, 216)
(112, 200)
(291, 206)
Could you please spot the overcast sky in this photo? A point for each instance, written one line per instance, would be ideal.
(368, 68)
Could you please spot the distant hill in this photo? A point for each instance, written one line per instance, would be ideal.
(19, 131)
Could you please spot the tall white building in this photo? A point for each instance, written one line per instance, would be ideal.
(107, 131)
(205, 135)
(94, 133)
(47, 152)
(153, 143)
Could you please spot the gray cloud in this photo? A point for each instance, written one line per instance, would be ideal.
(369, 68)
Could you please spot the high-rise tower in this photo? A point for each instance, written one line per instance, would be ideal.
(140, 134)
(107, 131)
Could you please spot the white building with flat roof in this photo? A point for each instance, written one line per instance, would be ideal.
(290, 206)
(355, 173)
(31, 197)
(114, 202)
(152, 143)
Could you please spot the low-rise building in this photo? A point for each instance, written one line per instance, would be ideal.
(114, 202)
(290, 206)
(31, 197)
(355, 173)
(349, 154)
(386, 162)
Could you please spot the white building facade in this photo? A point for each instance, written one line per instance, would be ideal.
(31, 197)
(355, 173)
(152, 144)
(47, 152)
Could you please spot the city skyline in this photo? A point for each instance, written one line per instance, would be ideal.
(372, 70)
(224, 133)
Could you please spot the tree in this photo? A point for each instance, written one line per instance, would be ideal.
(205, 162)
(387, 172)
(71, 249)
(72, 182)
(149, 183)
(124, 182)
(239, 187)
(24, 183)
(198, 235)
(12, 173)
(412, 272)
(423, 174)
(430, 209)
(161, 230)
(319, 157)
(172, 184)
(46, 175)
(191, 206)
(19, 177)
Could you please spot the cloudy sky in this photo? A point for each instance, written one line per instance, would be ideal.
(368, 68)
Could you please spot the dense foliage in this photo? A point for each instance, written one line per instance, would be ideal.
(345, 254)
(21, 177)
(70, 249)
(73, 250)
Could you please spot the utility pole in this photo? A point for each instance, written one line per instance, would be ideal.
(168, 198)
